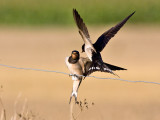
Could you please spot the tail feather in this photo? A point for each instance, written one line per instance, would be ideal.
(113, 67)
(75, 96)
(76, 84)
(106, 68)
(103, 67)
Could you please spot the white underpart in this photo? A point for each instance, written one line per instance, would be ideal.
(74, 78)
(74, 68)
(77, 70)
(75, 87)
(89, 47)
(88, 51)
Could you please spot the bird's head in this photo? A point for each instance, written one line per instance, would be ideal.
(75, 55)
(83, 48)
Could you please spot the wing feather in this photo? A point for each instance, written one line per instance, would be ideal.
(83, 31)
(106, 36)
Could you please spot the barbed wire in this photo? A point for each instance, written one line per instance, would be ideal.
(42, 70)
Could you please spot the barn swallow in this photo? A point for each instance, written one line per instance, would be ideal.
(93, 50)
(80, 67)
(76, 66)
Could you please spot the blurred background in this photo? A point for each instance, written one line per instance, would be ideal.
(95, 12)
(41, 33)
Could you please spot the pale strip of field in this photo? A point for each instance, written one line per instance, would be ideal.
(134, 48)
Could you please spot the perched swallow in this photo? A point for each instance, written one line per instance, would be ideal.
(93, 50)
(76, 65)
(80, 67)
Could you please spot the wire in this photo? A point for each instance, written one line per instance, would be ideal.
(21, 68)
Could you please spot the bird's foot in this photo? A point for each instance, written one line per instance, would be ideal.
(75, 75)
(70, 75)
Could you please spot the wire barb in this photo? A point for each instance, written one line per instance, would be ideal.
(8, 66)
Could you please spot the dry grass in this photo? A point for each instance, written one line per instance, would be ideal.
(21, 111)
(3, 111)
(77, 108)
(134, 48)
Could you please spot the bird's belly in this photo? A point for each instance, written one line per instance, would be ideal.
(75, 69)
(89, 53)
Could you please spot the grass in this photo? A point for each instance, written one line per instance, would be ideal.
(79, 107)
(24, 113)
(47, 12)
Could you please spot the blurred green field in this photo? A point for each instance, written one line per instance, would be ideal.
(48, 12)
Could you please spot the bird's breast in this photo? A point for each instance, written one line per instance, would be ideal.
(75, 68)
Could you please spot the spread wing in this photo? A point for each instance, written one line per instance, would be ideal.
(83, 31)
(106, 36)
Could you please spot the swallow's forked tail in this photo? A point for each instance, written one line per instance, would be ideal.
(76, 84)
(75, 96)
(103, 67)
